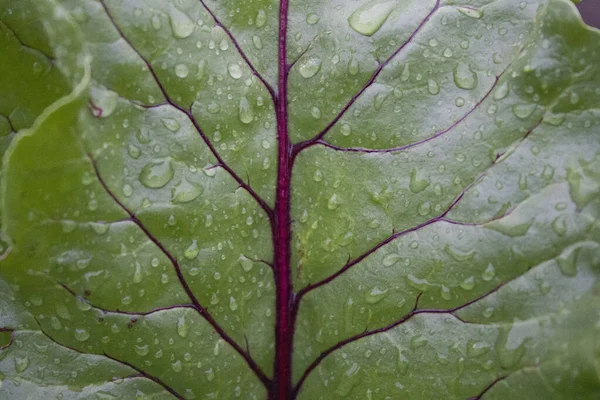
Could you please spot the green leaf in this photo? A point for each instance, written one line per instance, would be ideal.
(271, 199)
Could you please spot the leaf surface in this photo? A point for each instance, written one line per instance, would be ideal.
(310, 200)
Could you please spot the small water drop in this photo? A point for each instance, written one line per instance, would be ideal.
(333, 202)
(470, 11)
(433, 87)
(81, 335)
(375, 295)
(523, 111)
(182, 327)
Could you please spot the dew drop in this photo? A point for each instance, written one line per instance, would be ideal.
(464, 77)
(192, 251)
(501, 91)
(433, 87)
(81, 335)
(157, 174)
(234, 69)
(523, 111)
(369, 17)
(245, 113)
(375, 295)
(184, 192)
(309, 66)
(181, 24)
(182, 327)
(312, 18)
(353, 66)
(333, 203)
(21, 363)
(261, 18)
(470, 12)
(182, 70)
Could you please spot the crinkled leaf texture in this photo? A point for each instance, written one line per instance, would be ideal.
(382, 199)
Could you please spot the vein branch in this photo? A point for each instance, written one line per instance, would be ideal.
(194, 300)
(240, 51)
(415, 311)
(139, 370)
(422, 141)
(307, 143)
(262, 203)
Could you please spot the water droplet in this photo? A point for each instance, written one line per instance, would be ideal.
(184, 192)
(470, 12)
(309, 66)
(312, 18)
(246, 113)
(402, 362)
(418, 341)
(509, 348)
(433, 87)
(157, 174)
(333, 203)
(257, 41)
(459, 254)
(405, 73)
(424, 208)
(137, 273)
(501, 91)
(417, 185)
(21, 363)
(567, 261)
(318, 176)
(468, 284)
(523, 111)
(246, 263)
(511, 225)
(182, 327)
(134, 152)
(156, 22)
(476, 349)
(233, 304)
(348, 381)
(369, 17)
(182, 70)
(261, 18)
(181, 24)
(81, 335)
(375, 295)
(391, 259)
(353, 66)
(141, 350)
(176, 366)
(192, 251)
(464, 77)
(447, 52)
(559, 225)
(445, 293)
(316, 113)
(489, 273)
(235, 71)
(459, 102)
(105, 101)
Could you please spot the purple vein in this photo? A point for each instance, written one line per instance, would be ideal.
(117, 311)
(197, 306)
(427, 139)
(240, 51)
(263, 204)
(307, 143)
(415, 311)
(351, 263)
(488, 388)
(140, 371)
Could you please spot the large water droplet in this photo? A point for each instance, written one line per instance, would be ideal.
(157, 174)
(391, 259)
(309, 66)
(433, 87)
(81, 335)
(501, 91)
(261, 18)
(185, 192)
(417, 185)
(181, 24)
(523, 111)
(333, 202)
(464, 77)
(470, 12)
(459, 254)
(246, 263)
(512, 225)
(21, 363)
(192, 251)
(375, 295)
(182, 70)
(246, 112)
(182, 327)
(369, 17)
(235, 71)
